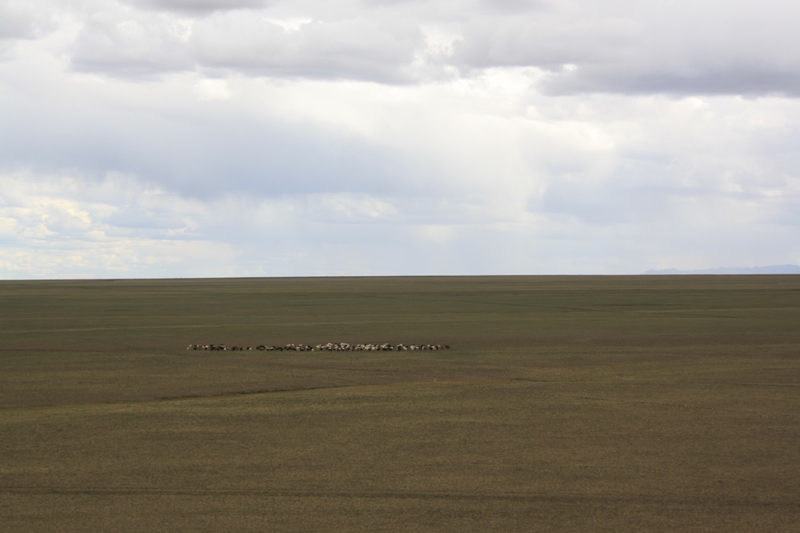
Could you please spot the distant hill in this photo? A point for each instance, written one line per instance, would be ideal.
(774, 269)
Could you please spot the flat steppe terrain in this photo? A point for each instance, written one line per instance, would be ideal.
(630, 404)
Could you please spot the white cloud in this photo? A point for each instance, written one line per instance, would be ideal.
(212, 90)
(396, 137)
(198, 6)
(23, 20)
(130, 43)
(361, 48)
(620, 46)
(625, 46)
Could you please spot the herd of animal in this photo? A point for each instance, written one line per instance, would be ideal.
(329, 347)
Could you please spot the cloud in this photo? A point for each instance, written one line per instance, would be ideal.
(728, 79)
(667, 160)
(631, 47)
(198, 6)
(584, 47)
(23, 20)
(212, 89)
(61, 225)
(124, 42)
(361, 49)
(397, 137)
(540, 40)
(199, 149)
(64, 226)
(131, 44)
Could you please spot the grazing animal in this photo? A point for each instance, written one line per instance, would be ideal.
(327, 347)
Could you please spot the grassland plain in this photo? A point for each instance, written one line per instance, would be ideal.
(565, 404)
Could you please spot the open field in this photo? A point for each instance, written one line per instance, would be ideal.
(565, 404)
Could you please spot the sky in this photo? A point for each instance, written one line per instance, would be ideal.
(237, 138)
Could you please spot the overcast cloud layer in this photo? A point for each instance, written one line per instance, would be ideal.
(181, 138)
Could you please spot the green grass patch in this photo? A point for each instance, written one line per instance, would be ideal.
(565, 404)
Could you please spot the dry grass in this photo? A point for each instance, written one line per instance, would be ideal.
(566, 404)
